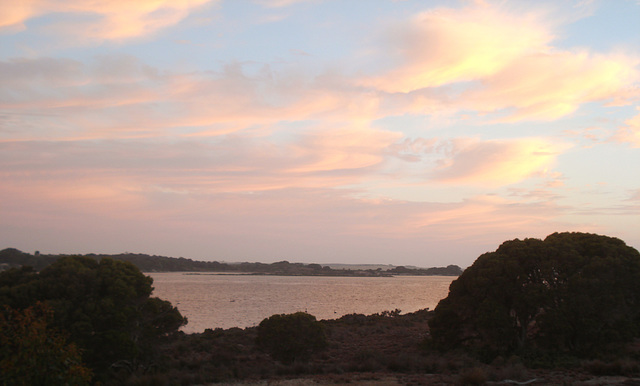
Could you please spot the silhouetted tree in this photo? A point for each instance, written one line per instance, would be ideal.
(572, 292)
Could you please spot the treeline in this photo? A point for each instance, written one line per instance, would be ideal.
(12, 257)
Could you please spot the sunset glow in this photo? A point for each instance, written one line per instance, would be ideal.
(396, 132)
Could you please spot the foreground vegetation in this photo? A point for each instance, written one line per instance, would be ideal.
(389, 346)
(104, 309)
(556, 311)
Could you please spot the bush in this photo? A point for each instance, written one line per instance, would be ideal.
(621, 366)
(473, 376)
(290, 337)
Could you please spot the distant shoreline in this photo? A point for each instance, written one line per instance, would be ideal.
(285, 275)
(11, 257)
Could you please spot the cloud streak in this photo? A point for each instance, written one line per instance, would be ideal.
(102, 19)
(630, 132)
(497, 162)
(444, 46)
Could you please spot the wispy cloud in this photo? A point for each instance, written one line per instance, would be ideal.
(279, 3)
(502, 61)
(497, 162)
(552, 85)
(630, 132)
(445, 45)
(102, 19)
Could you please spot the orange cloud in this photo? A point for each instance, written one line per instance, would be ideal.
(117, 19)
(501, 62)
(14, 13)
(444, 46)
(497, 162)
(551, 85)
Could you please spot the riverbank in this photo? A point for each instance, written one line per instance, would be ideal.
(380, 349)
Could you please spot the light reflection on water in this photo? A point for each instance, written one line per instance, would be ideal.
(225, 301)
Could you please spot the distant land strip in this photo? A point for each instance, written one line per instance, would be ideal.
(11, 257)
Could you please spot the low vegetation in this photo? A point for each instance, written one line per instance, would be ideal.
(291, 337)
(557, 311)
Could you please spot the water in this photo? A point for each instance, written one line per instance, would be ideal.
(211, 301)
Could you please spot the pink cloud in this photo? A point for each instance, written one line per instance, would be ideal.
(240, 196)
(630, 133)
(343, 149)
(117, 96)
(117, 20)
(106, 211)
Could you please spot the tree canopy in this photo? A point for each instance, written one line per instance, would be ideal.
(105, 307)
(571, 292)
(32, 353)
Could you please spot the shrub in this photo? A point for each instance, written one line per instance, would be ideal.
(473, 376)
(290, 337)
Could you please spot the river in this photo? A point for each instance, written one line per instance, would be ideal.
(211, 301)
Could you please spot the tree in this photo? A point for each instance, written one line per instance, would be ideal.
(104, 306)
(290, 337)
(572, 292)
(32, 353)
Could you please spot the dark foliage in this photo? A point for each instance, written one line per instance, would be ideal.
(105, 307)
(450, 270)
(32, 353)
(574, 293)
(12, 257)
(289, 337)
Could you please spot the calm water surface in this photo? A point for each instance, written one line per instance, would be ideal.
(225, 301)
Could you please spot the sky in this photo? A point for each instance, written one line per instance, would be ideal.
(408, 132)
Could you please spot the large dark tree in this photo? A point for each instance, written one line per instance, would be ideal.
(576, 293)
(104, 306)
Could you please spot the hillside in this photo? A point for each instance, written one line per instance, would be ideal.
(11, 257)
